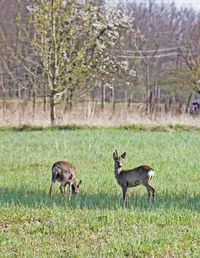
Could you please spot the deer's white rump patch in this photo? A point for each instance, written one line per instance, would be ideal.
(151, 173)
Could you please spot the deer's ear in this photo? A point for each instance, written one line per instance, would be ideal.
(80, 182)
(115, 154)
(123, 155)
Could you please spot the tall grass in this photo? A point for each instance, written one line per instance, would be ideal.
(94, 223)
(18, 112)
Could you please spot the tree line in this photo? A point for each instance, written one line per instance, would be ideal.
(65, 52)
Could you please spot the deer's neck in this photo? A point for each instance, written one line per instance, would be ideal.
(74, 183)
(117, 169)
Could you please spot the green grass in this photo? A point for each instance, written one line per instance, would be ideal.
(132, 127)
(94, 223)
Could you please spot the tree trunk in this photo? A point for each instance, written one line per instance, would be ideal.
(70, 100)
(147, 89)
(44, 98)
(188, 103)
(102, 96)
(52, 108)
(113, 97)
(34, 102)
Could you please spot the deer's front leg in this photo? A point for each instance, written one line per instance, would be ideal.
(125, 196)
(62, 187)
(67, 188)
(70, 190)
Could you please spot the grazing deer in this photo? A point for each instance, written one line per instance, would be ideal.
(64, 172)
(132, 177)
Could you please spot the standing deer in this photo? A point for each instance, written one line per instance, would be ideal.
(64, 172)
(132, 177)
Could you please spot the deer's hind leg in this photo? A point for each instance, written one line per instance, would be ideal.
(53, 180)
(151, 191)
(51, 187)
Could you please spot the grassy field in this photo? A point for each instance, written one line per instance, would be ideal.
(94, 223)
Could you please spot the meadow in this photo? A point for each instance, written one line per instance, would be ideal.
(94, 223)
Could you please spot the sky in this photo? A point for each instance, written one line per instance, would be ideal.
(186, 3)
(195, 4)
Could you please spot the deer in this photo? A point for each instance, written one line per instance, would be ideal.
(132, 177)
(64, 172)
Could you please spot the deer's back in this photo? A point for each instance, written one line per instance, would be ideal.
(134, 177)
(64, 165)
(63, 170)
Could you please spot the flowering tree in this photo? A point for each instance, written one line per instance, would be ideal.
(71, 41)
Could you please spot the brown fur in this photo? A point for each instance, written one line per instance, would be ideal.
(132, 177)
(64, 172)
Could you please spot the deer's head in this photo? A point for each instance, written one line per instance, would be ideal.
(75, 187)
(118, 160)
